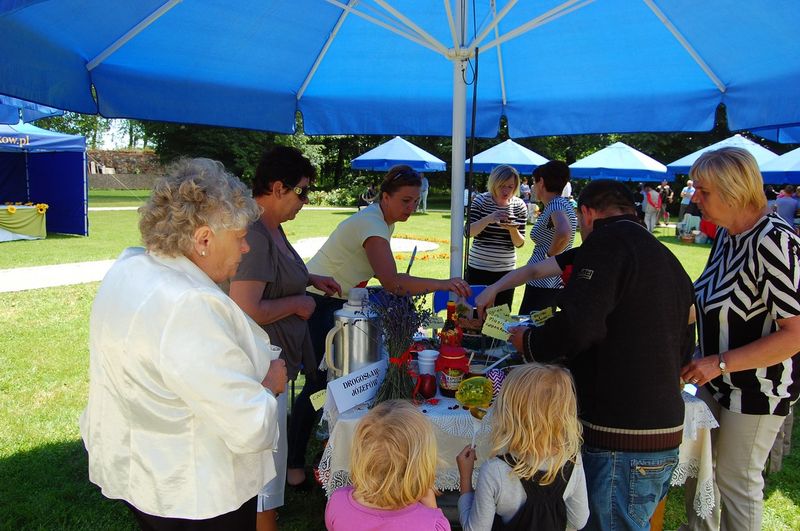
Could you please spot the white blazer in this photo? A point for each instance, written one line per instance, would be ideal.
(177, 423)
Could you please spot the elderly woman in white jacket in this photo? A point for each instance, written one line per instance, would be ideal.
(182, 415)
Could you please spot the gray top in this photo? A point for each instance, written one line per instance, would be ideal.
(499, 491)
(285, 276)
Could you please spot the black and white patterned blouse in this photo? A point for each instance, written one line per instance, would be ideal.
(542, 234)
(751, 280)
(493, 249)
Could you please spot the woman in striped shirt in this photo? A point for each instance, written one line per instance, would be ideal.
(553, 232)
(496, 219)
(748, 314)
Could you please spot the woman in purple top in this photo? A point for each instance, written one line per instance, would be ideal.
(393, 467)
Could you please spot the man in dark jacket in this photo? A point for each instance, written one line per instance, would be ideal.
(621, 328)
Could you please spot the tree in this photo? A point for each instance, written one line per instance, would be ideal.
(91, 126)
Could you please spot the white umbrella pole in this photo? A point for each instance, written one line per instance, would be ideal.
(459, 145)
(457, 168)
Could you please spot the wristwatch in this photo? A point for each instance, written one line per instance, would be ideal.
(723, 367)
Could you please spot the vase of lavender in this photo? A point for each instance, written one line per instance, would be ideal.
(398, 317)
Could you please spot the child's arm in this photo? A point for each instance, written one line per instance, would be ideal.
(476, 510)
(575, 497)
(466, 464)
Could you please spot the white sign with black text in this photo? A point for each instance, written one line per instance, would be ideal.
(358, 386)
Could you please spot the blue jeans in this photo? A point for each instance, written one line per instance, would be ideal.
(624, 488)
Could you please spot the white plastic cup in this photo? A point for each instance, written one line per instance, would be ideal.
(427, 361)
(274, 351)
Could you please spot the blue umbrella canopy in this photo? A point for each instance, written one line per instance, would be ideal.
(508, 152)
(785, 134)
(397, 151)
(12, 110)
(783, 169)
(403, 66)
(760, 153)
(621, 162)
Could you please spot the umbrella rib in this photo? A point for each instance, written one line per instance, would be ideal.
(324, 51)
(541, 20)
(500, 68)
(452, 23)
(686, 46)
(377, 22)
(413, 26)
(493, 25)
(131, 33)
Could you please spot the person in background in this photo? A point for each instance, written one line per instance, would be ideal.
(393, 458)
(552, 234)
(748, 318)
(366, 198)
(605, 330)
(686, 198)
(423, 194)
(786, 206)
(355, 252)
(182, 418)
(495, 220)
(772, 195)
(651, 205)
(525, 195)
(536, 479)
(665, 191)
(270, 286)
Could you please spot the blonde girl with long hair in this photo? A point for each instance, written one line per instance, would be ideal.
(536, 477)
(393, 458)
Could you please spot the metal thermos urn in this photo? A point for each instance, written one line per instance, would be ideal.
(355, 339)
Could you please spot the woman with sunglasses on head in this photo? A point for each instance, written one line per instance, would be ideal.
(270, 286)
(357, 250)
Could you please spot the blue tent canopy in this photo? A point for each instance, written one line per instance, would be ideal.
(783, 169)
(761, 154)
(12, 108)
(621, 162)
(46, 167)
(508, 152)
(397, 151)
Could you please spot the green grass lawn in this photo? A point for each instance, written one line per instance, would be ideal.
(117, 198)
(44, 382)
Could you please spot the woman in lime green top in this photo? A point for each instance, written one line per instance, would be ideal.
(357, 250)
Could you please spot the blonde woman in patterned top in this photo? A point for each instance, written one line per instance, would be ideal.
(748, 316)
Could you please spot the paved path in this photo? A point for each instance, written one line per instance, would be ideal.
(25, 278)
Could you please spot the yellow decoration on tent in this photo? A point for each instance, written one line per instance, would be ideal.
(41, 208)
(11, 209)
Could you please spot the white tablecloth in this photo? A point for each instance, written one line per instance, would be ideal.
(453, 429)
(694, 455)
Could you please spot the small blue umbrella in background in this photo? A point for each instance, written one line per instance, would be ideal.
(620, 162)
(760, 153)
(15, 110)
(397, 151)
(510, 153)
(783, 169)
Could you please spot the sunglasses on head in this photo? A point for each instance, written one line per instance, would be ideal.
(406, 174)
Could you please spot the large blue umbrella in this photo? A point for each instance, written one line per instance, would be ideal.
(621, 162)
(760, 153)
(785, 134)
(14, 110)
(397, 151)
(783, 169)
(509, 152)
(404, 66)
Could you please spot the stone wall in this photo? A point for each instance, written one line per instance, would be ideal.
(121, 169)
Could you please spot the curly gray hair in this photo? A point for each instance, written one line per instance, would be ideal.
(195, 193)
